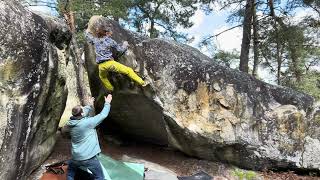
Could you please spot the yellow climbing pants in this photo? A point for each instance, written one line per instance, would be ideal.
(114, 66)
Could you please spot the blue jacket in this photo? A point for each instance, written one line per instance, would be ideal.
(84, 138)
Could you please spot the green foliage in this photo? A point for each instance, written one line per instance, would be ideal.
(160, 17)
(310, 84)
(226, 58)
(271, 39)
(163, 17)
(241, 174)
(83, 9)
(284, 46)
(297, 52)
(207, 5)
(315, 4)
(112, 8)
(238, 173)
(289, 48)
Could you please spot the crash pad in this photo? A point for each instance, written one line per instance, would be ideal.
(112, 170)
(118, 170)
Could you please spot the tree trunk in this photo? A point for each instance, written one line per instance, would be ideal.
(255, 41)
(78, 66)
(294, 55)
(138, 25)
(152, 30)
(76, 61)
(246, 38)
(117, 19)
(278, 54)
(278, 43)
(279, 64)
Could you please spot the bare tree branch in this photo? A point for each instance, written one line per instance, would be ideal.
(215, 35)
(230, 3)
(218, 34)
(314, 8)
(267, 63)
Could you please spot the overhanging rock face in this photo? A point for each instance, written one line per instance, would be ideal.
(33, 91)
(207, 110)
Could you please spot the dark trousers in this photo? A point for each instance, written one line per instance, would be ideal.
(92, 164)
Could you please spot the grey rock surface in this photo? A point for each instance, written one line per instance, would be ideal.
(32, 87)
(206, 110)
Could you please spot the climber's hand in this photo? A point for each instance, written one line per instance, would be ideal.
(108, 99)
(125, 44)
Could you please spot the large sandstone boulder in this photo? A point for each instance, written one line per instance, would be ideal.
(32, 88)
(209, 111)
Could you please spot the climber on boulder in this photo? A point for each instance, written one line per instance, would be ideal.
(99, 34)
